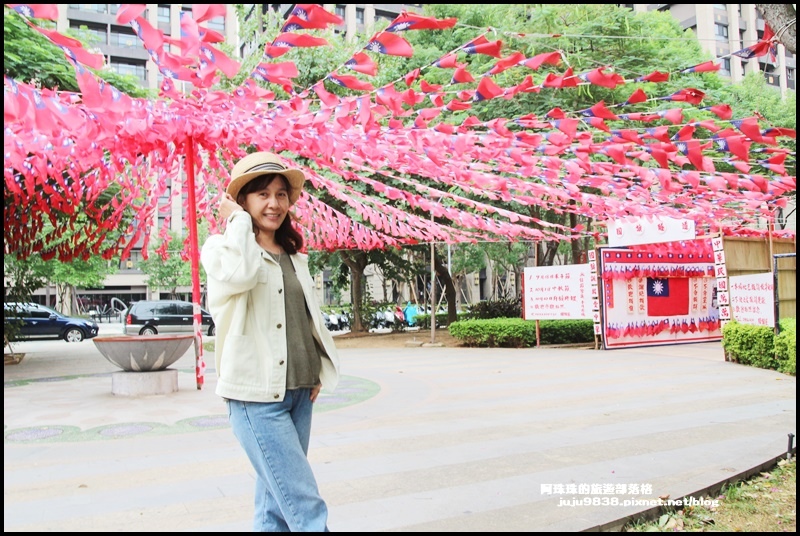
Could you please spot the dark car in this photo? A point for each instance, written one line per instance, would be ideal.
(164, 316)
(26, 321)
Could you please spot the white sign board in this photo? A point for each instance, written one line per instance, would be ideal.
(557, 292)
(629, 232)
(753, 299)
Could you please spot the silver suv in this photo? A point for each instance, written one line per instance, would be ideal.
(164, 316)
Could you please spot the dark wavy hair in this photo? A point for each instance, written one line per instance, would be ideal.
(286, 236)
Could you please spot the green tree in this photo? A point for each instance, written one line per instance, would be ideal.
(30, 57)
(167, 268)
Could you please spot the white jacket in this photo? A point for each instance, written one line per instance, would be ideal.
(246, 300)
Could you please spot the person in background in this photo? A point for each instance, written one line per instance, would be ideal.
(273, 353)
(410, 312)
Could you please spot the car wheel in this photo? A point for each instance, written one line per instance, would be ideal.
(212, 331)
(148, 330)
(73, 335)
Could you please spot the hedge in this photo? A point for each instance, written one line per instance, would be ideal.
(519, 333)
(759, 347)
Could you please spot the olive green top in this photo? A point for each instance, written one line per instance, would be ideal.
(303, 357)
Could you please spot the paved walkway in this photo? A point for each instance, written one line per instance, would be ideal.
(416, 439)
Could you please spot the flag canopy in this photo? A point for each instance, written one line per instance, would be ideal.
(387, 165)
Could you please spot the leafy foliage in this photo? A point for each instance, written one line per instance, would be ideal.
(749, 345)
(30, 57)
(518, 333)
(502, 308)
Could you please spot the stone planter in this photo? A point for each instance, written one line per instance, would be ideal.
(144, 353)
(144, 360)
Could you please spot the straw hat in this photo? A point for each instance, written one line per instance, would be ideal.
(257, 164)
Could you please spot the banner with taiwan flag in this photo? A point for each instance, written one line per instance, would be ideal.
(658, 294)
(667, 296)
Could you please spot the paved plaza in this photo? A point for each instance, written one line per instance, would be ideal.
(415, 439)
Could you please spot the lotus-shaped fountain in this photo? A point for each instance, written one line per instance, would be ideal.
(144, 353)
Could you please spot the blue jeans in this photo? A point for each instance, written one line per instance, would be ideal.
(275, 437)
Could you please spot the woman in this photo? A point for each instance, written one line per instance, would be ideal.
(273, 354)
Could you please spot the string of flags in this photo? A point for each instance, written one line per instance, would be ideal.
(397, 141)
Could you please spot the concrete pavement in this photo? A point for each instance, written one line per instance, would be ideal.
(415, 439)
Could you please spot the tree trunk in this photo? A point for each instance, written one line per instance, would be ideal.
(575, 244)
(356, 261)
(449, 289)
(782, 18)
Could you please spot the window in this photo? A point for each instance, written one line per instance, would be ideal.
(163, 14)
(340, 11)
(125, 40)
(217, 24)
(359, 15)
(721, 31)
(136, 69)
(96, 35)
(725, 67)
(96, 8)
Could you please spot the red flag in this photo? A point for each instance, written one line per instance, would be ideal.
(689, 94)
(637, 96)
(72, 48)
(350, 82)
(128, 12)
(362, 63)
(462, 76)
(456, 105)
(37, 11)
(212, 59)
(447, 62)
(600, 78)
(706, 67)
(550, 58)
(507, 62)
(310, 17)
(567, 80)
(190, 36)
(667, 297)
(152, 38)
(204, 12)
(487, 89)
(481, 45)
(281, 44)
(723, 111)
(655, 77)
(429, 88)
(390, 44)
(412, 21)
(328, 98)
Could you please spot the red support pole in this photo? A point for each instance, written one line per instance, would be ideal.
(194, 253)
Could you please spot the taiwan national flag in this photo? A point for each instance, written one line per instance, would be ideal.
(667, 297)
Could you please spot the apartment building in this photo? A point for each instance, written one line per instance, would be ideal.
(723, 29)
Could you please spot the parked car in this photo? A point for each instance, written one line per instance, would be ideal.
(164, 316)
(34, 321)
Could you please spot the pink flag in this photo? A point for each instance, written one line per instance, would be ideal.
(37, 11)
(204, 12)
(390, 44)
(550, 58)
(362, 63)
(413, 21)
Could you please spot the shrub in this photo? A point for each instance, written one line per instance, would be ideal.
(786, 346)
(424, 320)
(749, 345)
(503, 308)
(519, 333)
